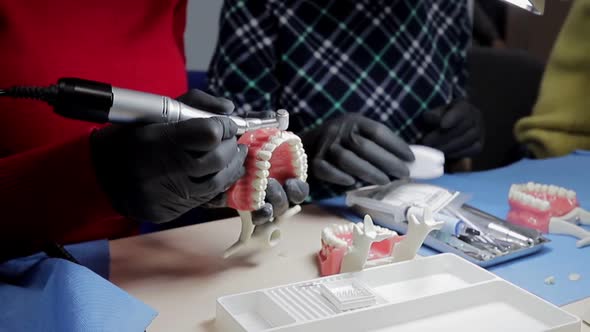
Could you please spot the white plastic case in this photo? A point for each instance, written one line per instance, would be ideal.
(443, 292)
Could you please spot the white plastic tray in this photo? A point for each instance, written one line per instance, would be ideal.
(442, 292)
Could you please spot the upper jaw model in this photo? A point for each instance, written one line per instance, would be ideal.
(352, 247)
(548, 208)
(272, 153)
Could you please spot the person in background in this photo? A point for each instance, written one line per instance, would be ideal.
(486, 29)
(560, 122)
(362, 80)
(67, 181)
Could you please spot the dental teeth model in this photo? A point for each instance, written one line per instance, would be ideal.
(352, 247)
(272, 153)
(549, 209)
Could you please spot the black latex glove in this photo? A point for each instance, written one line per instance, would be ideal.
(457, 130)
(354, 147)
(278, 198)
(157, 172)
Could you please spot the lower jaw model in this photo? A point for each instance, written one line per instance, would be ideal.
(272, 153)
(549, 209)
(352, 247)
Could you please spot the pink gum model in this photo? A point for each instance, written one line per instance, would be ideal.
(337, 239)
(272, 153)
(352, 247)
(549, 209)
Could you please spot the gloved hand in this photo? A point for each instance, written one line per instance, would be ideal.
(278, 198)
(457, 130)
(354, 147)
(157, 172)
(277, 201)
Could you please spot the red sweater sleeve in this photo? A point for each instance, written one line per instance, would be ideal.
(48, 188)
(51, 194)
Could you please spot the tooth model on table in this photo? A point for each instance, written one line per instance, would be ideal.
(352, 247)
(272, 153)
(549, 209)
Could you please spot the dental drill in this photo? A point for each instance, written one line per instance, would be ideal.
(100, 102)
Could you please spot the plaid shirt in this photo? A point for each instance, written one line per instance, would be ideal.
(389, 60)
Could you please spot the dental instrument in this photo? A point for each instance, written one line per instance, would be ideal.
(100, 102)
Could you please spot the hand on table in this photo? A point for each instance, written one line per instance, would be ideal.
(457, 130)
(352, 147)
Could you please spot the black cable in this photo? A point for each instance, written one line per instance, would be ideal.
(43, 93)
(56, 250)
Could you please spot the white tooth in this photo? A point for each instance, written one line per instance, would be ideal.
(298, 147)
(269, 147)
(512, 191)
(330, 238)
(264, 155)
(544, 188)
(260, 184)
(262, 173)
(325, 233)
(255, 197)
(537, 187)
(335, 229)
(571, 194)
(264, 165)
(561, 192)
(258, 196)
(294, 140)
(530, 186)
(326, 236)
(342, 229)
(276, 140)
(296, 153)
(296, 163)
(545, 206)
(552, 190)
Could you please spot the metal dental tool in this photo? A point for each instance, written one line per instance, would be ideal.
(100, 102)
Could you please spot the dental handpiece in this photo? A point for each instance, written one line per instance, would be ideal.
(100, 102)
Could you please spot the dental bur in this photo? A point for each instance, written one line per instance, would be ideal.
(100, 102)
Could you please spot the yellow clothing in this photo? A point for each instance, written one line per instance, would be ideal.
(560, 122)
